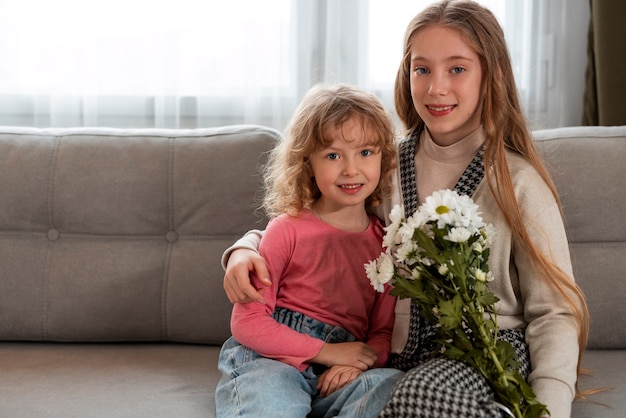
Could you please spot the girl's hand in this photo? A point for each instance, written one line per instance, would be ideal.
(355, 354)
(237, 276)
(335, 378)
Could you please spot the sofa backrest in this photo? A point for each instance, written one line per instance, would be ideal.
(588, 165)
(116, 235)
(109, 234)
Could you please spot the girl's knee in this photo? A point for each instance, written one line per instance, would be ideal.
(263, 388)
(379, 378)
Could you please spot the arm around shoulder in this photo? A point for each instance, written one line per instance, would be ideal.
(249, 241)
(238, 262)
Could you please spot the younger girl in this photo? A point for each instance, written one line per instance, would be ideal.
(307, 350)
(456, 96)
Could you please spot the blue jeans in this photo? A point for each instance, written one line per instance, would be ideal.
(256, 386)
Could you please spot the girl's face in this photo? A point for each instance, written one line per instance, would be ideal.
(445, 77)
(348, 170)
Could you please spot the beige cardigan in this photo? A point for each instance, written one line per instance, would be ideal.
(525, 300)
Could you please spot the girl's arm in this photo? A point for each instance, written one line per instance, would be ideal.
(552, 331)
(238, 261)
(254, 326)
(250, 241)
(381, 323)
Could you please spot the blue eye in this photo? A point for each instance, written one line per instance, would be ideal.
(458, 70)
(332, 156)
(366, 153)
(420, 70)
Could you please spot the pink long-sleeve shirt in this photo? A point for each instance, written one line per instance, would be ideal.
(316, 270)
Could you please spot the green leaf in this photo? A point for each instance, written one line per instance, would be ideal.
(487, 299)
(462, 339)
(506, 354)
(451, 312)
(454, 352)
(413, 289)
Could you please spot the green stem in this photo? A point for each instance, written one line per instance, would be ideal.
(487, 342)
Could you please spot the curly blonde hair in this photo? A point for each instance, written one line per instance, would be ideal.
(288, 176)
(504, 123)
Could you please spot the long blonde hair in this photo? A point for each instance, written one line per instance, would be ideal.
(505, 127)
(288, 176)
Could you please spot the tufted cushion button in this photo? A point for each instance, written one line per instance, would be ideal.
(53, 235)
(171, 236)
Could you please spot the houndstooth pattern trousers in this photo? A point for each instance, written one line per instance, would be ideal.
(444, 388)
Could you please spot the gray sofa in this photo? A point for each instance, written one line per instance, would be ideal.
(111, 300)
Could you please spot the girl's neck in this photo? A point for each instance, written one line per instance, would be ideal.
(347, 218)
(458, 151)
(449, 141)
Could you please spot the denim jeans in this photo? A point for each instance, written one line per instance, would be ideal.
(256, 386)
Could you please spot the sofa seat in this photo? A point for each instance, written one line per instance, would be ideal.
(130, 380)
(608, 372)
(152, 380)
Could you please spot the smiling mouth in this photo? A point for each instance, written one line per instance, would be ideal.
(350, 186)
(440, 108)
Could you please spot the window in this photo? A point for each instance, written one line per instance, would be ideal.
(143, 62)
(198, 63)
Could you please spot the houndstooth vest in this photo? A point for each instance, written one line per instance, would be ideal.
(419, 345)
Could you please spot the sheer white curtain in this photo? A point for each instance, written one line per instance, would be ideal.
(145, 63)
(199, 63)
(548, 45)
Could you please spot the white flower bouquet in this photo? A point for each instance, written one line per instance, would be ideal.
(438, 257)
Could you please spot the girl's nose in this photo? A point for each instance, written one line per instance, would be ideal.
(350, 168)
(438, 85)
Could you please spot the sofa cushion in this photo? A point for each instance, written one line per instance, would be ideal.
(606, 371)
(57, 380)
(110, 235)
(588, 167)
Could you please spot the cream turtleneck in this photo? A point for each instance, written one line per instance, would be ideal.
(440, 167)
